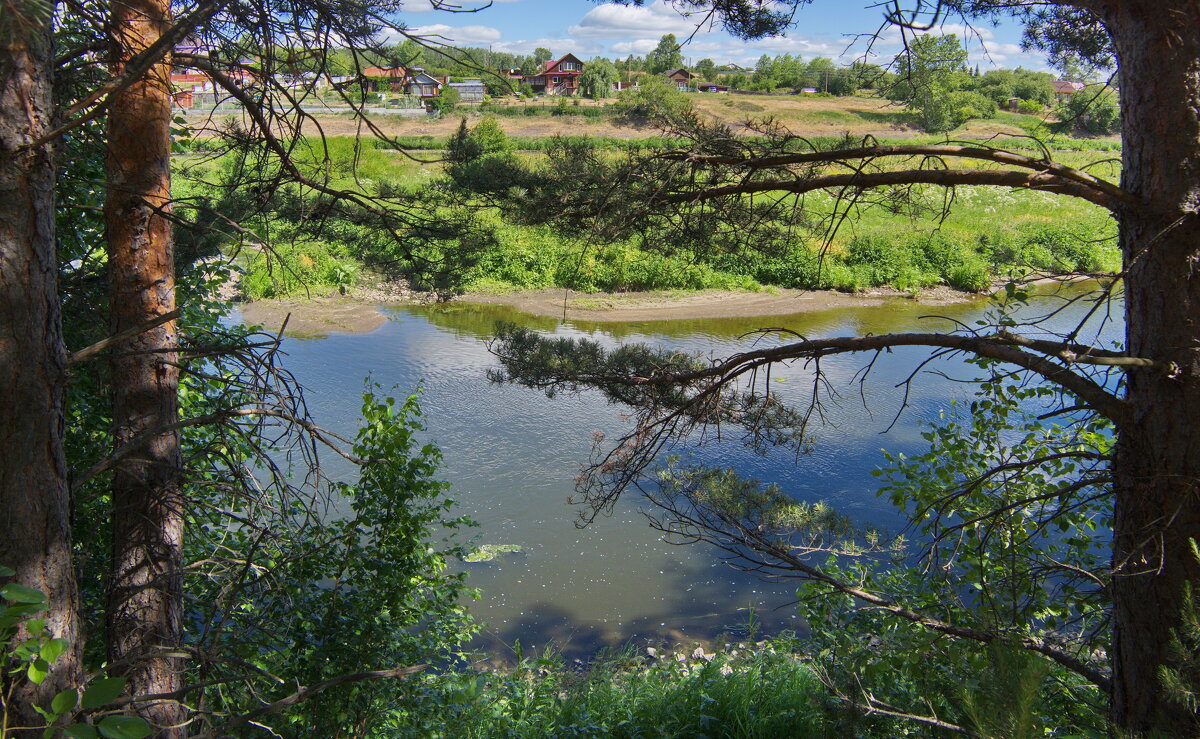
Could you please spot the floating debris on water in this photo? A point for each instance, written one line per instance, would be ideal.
(488, 552)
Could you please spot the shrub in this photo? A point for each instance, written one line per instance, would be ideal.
(294, 267)
(1030, 107)
(653, 98)
(1095, 110)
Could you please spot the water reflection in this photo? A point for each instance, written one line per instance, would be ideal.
(511, 455)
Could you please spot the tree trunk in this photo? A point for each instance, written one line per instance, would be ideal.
(34, 496)
(1157, 464)
(146, 588)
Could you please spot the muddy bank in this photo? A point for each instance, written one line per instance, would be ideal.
(360, 312)
(666, 306)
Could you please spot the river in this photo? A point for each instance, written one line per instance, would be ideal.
(511, 455)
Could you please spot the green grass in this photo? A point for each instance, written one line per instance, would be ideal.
(987, 233)
(765, 693)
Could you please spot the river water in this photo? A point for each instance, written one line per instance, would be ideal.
(511, 455)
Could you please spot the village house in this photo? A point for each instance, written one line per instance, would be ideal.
(680, 78)
(384, 79)
(711, 87)
(560, 77)
(1064, 89)
(422, 85)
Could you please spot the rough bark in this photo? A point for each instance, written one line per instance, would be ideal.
(145, 597)
(1157, 463)
(34, 499)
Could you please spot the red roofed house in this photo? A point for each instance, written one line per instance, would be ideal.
(559, 77)
(379, 79)
(1064, 89)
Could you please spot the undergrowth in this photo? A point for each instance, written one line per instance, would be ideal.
(988, 234)
(764, 692)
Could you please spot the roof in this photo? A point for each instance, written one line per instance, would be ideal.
(381, 72)
(1064, 87)
(560, 60)
(673, 72)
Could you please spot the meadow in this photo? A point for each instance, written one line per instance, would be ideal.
(985, 236)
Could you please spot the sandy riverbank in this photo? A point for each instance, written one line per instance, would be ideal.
(359, 313)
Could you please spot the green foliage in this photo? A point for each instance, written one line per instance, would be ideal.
(1013, 512)
(446, 100)
(736, 691)
(486, 138)
(1001, 85)
(1180, 677)
(295, 266)
(932, 81)
(1094, 110)
(1030, 107)
(653, 98)
(376, 575)
(666, 56)
(27, 650)
(598, 78)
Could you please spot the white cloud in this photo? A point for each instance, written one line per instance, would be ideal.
(557, 46)
(796, 45)
(641, 46)
(458, 35)
(624, 21)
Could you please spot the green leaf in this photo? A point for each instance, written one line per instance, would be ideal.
(7, 571)
(25, 609)
(64, 701)
(124, 727)
(18, 593)
(54, 649)
(103, 691)
(37, 670)
(80, 731)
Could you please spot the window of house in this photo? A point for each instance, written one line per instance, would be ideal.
(554, 80)
(570, 66)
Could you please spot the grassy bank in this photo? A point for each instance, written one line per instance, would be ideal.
(987, 234)
(764, 691)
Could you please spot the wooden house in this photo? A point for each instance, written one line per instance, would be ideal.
(1064, 89)
(384, 79)
(680, 78)
(559, 77)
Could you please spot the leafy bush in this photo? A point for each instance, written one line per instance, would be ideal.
(1030, 107)
(446, 100)
(654, 97)
(1095, 110)
(293, 267)
(763, 691)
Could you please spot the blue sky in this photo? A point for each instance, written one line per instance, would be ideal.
(825, 28)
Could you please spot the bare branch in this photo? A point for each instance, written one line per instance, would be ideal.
(88, 353)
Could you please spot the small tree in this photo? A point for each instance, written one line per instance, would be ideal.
(931, 68)
(665, 56)
(598, 79)
(446, 100)
(653, 98)
(1093, 110)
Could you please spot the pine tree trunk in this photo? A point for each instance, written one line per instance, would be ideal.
(146, 589)
(34, 495)
(1157, 464)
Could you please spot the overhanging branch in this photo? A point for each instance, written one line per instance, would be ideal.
(1040, 181)
(937, 150)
